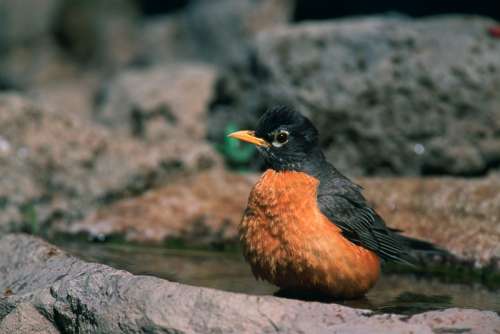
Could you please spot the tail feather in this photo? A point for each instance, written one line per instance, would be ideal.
(419, 245)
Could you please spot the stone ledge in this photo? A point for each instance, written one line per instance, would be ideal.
(42, 283)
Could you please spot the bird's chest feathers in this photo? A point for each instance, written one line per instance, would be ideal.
(283, 221)
(289, 242)
(282, 204)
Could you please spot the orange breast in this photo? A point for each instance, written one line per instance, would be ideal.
(290, 243)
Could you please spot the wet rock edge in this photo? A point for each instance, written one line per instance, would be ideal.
(76, 296)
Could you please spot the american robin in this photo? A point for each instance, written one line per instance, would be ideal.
(307, 227)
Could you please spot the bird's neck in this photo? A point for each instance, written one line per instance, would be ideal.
(311, 164)
(315, 165)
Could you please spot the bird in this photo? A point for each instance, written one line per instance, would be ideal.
(307, 227)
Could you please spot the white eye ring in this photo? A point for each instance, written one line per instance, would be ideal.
(280, 138)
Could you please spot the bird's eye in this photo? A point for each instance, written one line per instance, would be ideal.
(280, 138)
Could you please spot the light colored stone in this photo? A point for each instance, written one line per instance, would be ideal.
(25, 319)
(60, 165)
(159, 102)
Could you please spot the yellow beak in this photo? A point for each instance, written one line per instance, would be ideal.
(249, 137)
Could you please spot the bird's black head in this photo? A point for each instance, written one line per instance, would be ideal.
(286, 139)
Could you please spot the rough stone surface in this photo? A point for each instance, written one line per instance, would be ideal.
(57, 37)
(217, 32)
(166, 38)
(58, 166)
(159, 102)
(57, 40)
(80, 297)
(28, 53)
(25, 319)
(100, 33)
(202, 209)
(223, 29)
(27, 65)
(75, 96)
(458, 214)
(16, 27)
(390, 95)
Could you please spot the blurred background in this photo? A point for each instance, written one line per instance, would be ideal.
(114, 114)
(391, 95)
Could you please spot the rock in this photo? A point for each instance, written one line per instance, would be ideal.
(222, 29)
(17, 28)
(461, 215)
(390, 95)
(35, 64)
(67, 36)
(76, 296)
(28, 54)
(57, 166)
(51, 42)
(198, 210)
(25, 319)
(160, 101)
(75, 96)
(100, 33)
(166, 38)
(217, 32)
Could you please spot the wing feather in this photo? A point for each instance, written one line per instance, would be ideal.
(344, 204)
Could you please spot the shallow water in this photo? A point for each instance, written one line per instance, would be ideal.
(405, 294)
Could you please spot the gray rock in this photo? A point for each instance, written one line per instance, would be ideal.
(164, 100)
(16, 27)
(28, 55)
(56, 166)
(25, 319)
(101, 33)
(390, 95)
(222, 29)
(75, 95)
(80, 297)
(166, 38)
(37, 63)
(217, 31)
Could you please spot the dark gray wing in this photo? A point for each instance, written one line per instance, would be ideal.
(342, 202)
